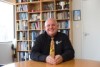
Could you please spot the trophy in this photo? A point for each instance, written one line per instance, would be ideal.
(62, 3)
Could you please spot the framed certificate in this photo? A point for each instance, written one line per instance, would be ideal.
(76, 15)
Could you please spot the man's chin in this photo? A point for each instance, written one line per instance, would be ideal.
(51, 34)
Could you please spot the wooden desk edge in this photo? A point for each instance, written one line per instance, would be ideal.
(71, 63)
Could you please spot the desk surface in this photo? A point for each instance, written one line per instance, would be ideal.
(71, 63)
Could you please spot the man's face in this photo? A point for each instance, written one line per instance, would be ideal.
(51, 27)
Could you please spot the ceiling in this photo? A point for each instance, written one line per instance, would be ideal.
(9, 1)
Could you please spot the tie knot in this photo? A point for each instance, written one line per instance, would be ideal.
(52, 38)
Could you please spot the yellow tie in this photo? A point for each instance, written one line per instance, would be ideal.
(52, 48)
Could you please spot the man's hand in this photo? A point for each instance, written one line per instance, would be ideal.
(58, 59)
(50, 60)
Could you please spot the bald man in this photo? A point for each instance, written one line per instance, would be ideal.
(63, 48)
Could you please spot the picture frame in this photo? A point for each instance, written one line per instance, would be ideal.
(76, 15)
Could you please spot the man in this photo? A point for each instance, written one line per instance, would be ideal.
(63, 48)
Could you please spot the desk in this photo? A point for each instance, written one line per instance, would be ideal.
(71, 63)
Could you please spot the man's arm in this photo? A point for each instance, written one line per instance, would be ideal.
(35, 52)
(68, 51)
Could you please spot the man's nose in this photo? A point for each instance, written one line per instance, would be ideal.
(51, 26)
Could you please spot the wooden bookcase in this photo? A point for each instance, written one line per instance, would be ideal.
(30, 18)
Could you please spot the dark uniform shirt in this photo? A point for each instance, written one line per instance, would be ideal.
(41, 48)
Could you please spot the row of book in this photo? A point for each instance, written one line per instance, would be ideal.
(47, 15)
(22, 7)
(34, 17)
(63, 15)
(36, 25)
(34, 34)
(23, 16)
(22, 35)
(19, 1)
(22, 25)
(48, 6)
(64, 24)
(23, 45)
(24, 56)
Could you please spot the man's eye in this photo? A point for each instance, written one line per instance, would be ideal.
(53, 25)
(48, 25)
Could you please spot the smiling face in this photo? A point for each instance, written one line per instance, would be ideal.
(51, 27)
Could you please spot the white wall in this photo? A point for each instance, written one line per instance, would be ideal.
(84, 48)
(91, 29)
(77, 31)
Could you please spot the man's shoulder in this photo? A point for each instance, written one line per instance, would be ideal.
(42, 35)
(62, 34)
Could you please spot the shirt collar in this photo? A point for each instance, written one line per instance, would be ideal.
(49, 36)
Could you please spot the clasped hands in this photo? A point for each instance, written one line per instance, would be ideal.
(56, 60)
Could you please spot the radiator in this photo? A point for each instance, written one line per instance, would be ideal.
(5, 53)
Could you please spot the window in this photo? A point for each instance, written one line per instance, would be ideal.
(6, 22)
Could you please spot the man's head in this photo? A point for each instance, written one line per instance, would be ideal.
(51, 27)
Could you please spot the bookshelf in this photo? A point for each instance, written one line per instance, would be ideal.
(30, 18)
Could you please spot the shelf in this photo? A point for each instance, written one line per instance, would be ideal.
(30, 19)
